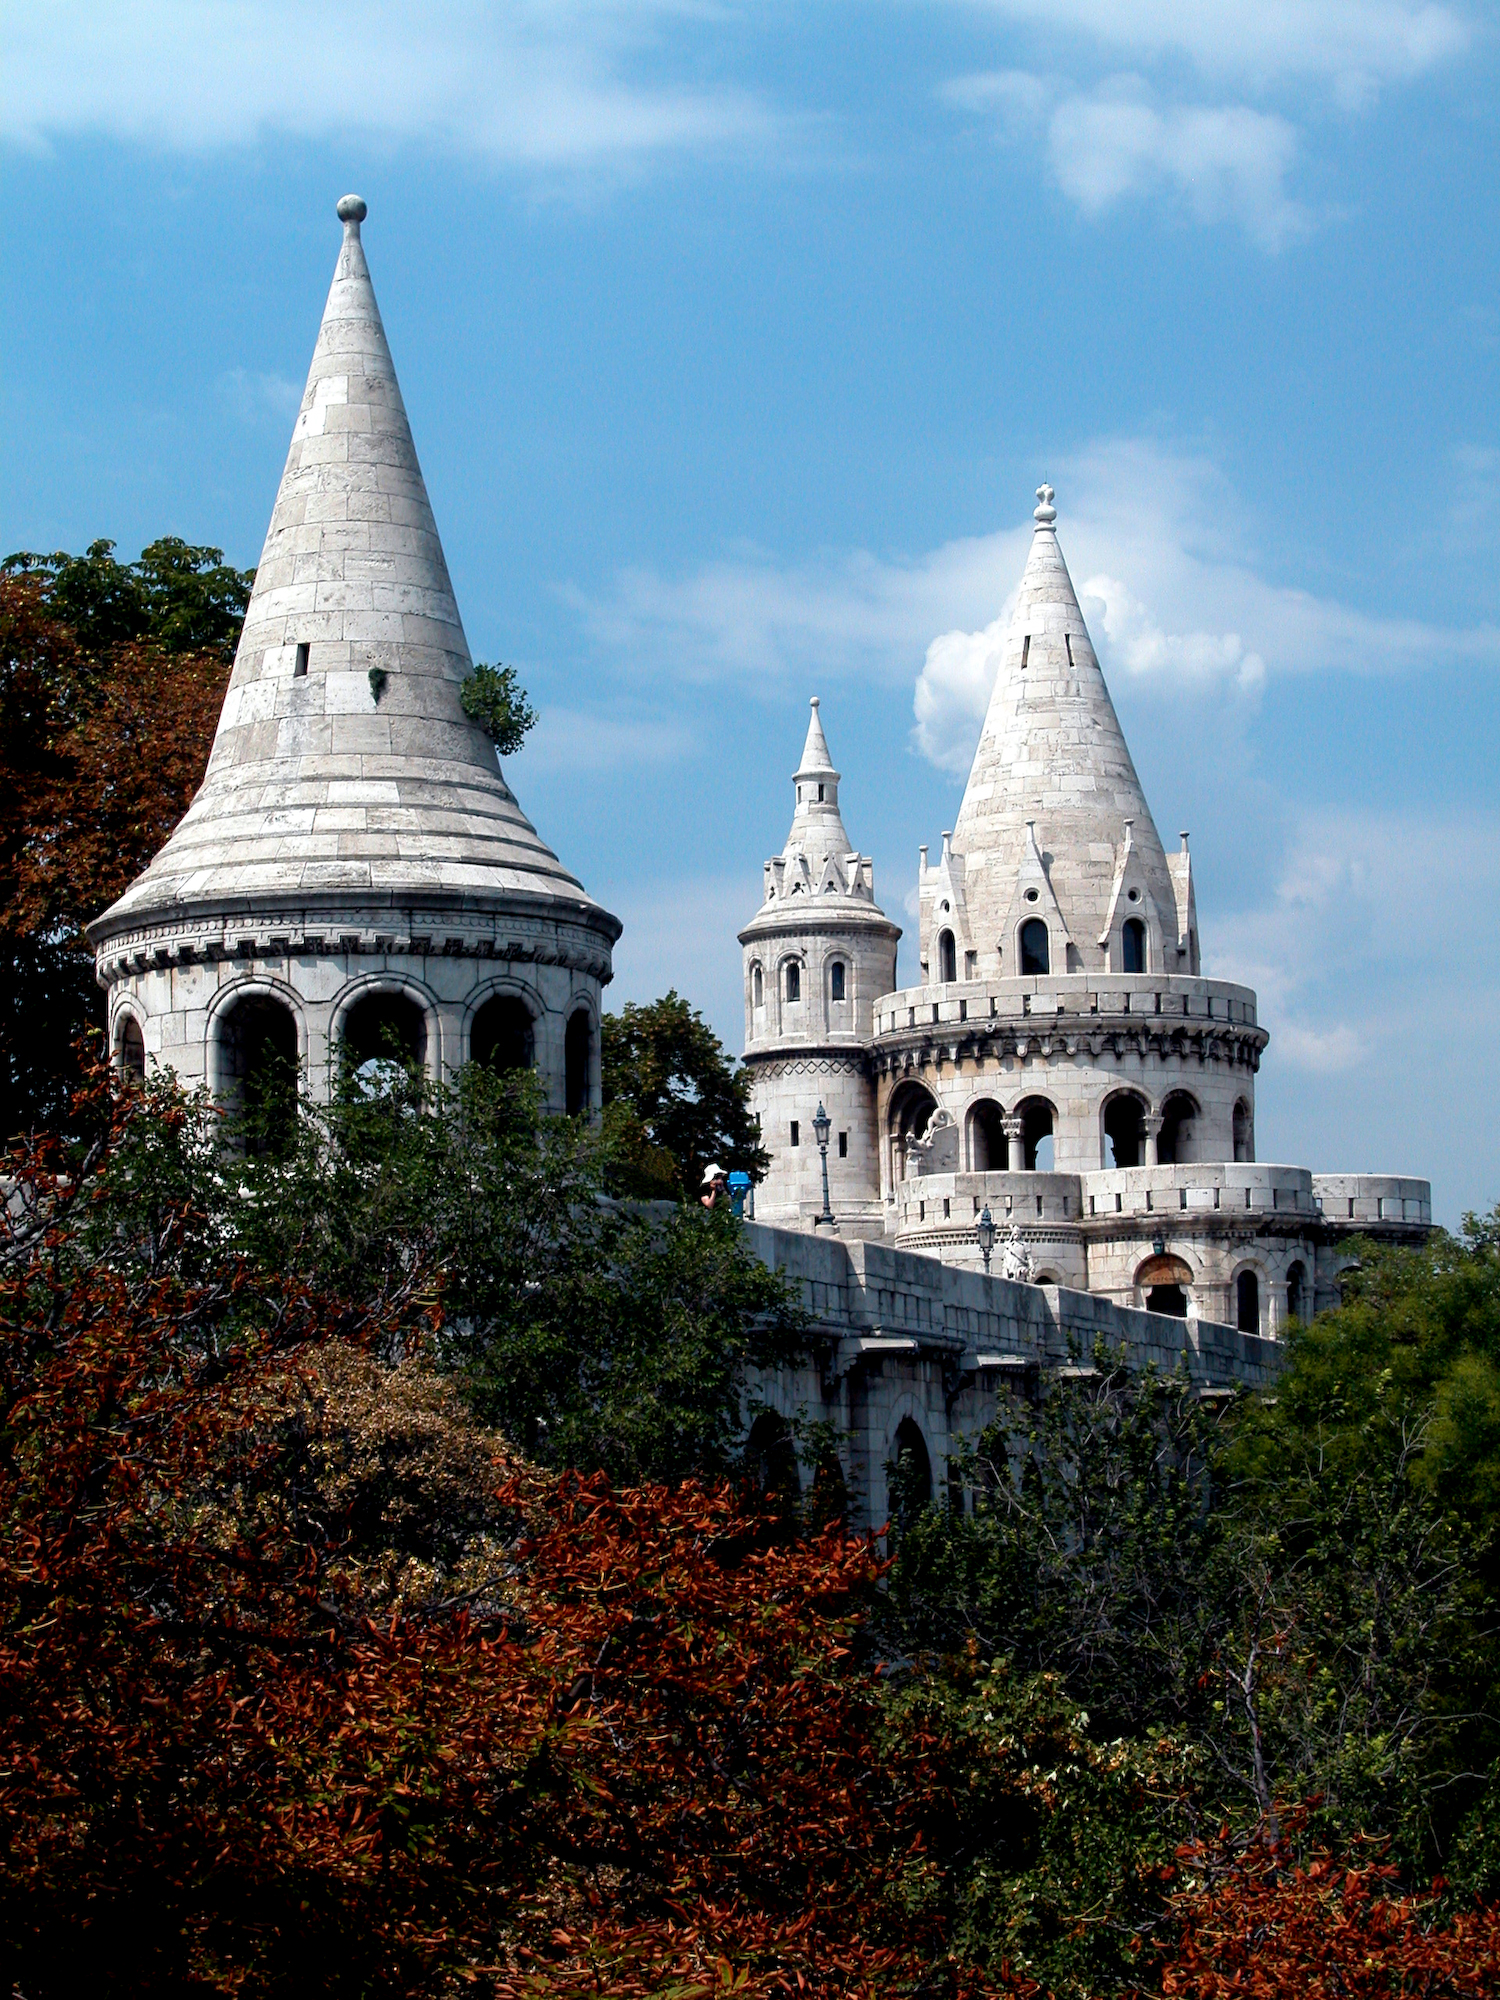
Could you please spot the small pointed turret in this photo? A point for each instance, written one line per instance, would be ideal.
(1052, 756)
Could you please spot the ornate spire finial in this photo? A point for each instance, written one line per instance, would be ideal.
(352, 212)
(815, 702)
(1046, 513)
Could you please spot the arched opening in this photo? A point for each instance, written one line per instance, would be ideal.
(909, 1473)
(771, 1459)
(793, 980)
(1296, 1292)
(947, 957)
(1244, 1132)
(384, 1032)
(503, 1035)
(836, 980)
(258, 1071)
(1247, 1302)
(757, 987)
(1037, 1150)
(988, 1152)
(1036, 956)
(1133, 946)
(1124, 1131)
(1179, 1125)
(912, 1110)
(578, 1044)
(1164, 1283)
(130, 1050)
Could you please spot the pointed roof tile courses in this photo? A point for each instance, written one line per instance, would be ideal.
(1052, 756)
(344, 765)
(819, 872)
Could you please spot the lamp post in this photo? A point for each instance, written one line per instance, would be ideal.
(984, 1229)
(822, 1125)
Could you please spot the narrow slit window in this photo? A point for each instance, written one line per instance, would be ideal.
(1068, 642)
(820, 795)
(299, 669)
(843, 1145)
(796, 1133)
(1025, 651)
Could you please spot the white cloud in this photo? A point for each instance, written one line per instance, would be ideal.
(252, 395)
(546, 85)
(1355, 45)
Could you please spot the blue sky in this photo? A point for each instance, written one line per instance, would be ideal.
(735, 339)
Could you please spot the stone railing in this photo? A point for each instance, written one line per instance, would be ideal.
(1075, 997)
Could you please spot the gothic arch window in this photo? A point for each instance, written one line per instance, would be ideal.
(384, 1031)
(910, 1468)
(578, 1048)
(503, 1036)
(1296, 1291)
(1164, 1283)
(771, 1458)
(988, 1153)
(130, 1050)
(1124, 1130)
(1244, 1132)
(947, 957)
(793, 980)
(1179, 1126)
(1133, 946)
(1036, 957)
(757, 987)
(836, 980)
(1037, 1151)
(1247, 1302)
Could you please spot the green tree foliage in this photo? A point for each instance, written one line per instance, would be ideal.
(111, 680)
(673, 1100)
(495, 699)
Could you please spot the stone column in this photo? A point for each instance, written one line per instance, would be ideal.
(1014, 1128)
(1151, 1125)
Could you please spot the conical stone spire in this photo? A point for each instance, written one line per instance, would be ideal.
(817, 826)
(344, 764)
(1052, 757)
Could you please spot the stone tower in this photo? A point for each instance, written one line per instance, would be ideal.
(354, 867)
(818, 954)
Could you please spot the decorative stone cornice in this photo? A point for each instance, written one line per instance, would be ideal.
(934, 1045)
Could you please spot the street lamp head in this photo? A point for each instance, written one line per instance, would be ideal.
(984, 1229)
(822, 1124)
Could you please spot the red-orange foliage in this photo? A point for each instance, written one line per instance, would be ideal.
(1271, 1929)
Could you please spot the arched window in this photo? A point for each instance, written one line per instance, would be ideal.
(1035, 956)
(503, 1035)
(258, 1071)
(836, 980)
(910, 1470)
(131, 1051)
(757, 987)
(1124, 1131)
(793, 980)
(1133, 946)
(1296, 1292)
(1179, 1124)
(947, 957)
(1036, 1135)
(1244, 1132)
(987, 1147)
(1247, 1302)
(577, 1050)
(771, 1459)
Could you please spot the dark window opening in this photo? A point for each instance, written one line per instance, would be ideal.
(1036, 1135)
(1244, 1132)
(299, 670)
(1035, 955)
(987, 1143)
(132, 1051)
(771, 1459)
(1168, 1299)
(909, 1472)
(1068, 642)
(843, 1145)
(796, 1133)
(1124, 1132)
(578, 1045)
(258, 1069)
(1296, 1292)
(793, 981)
(1133, 946)
(820, 795)
(503, 1035)
(1025, 651)
(836, 979)
(947, 957)
(1175, 1146)
(1247, 1302)
(757, 987)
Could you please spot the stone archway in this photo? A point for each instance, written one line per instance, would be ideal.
(1165, 1285)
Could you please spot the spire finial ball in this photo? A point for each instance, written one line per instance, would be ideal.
(1045, 513)
(352, 209)
(815, 703)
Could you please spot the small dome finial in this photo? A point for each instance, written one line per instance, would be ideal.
(815, 702)
(352, 210)
(1046, 513)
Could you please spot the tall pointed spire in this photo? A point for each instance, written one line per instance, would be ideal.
(1052, 752)
(344, 762)
(817, 825)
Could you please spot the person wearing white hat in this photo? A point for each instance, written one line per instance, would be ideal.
(715, 1186)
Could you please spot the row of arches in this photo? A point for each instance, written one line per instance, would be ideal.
(789, 978)
(1131, 1132)
(1033, 951)
(256, 1032)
